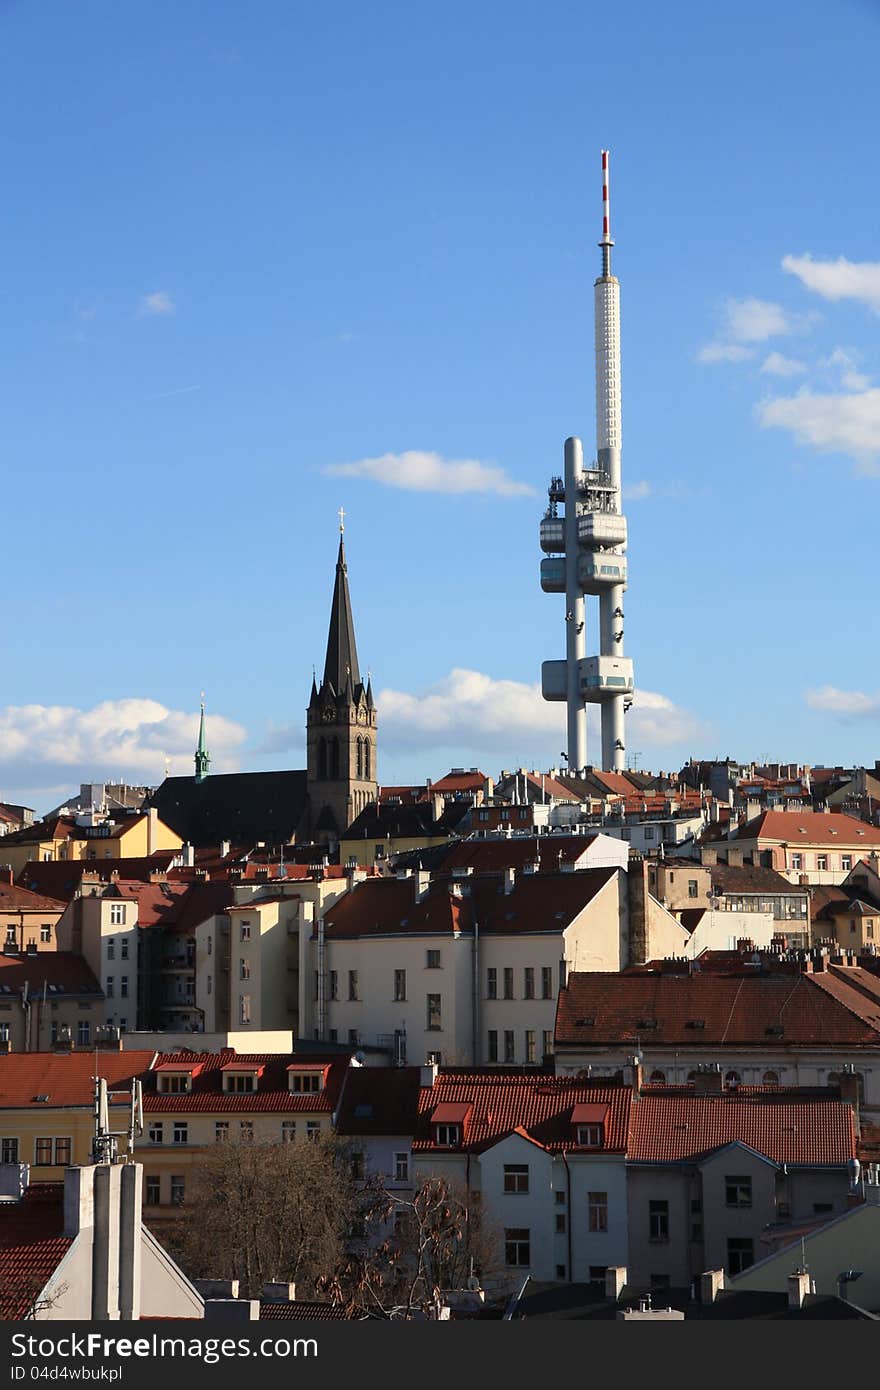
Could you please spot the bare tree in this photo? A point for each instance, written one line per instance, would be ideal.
(32, 1293)
(270, 1212)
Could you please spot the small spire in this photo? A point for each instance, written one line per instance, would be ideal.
(203, 757)
(341, 520)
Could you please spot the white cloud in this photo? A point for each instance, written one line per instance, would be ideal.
(157, 304)
(755, 320)
(470, 709)
(724, 352)
(776, 364)
(854, 704)
(840, 279)
(52, 745)
(636, 492)
(746, 322)
(830, 422)
(417, 470)
(846, 361)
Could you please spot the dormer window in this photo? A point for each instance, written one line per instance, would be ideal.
(448, 1124)
(240, 1080)
(588, 1125)
(304, 1080)
(175, 1079)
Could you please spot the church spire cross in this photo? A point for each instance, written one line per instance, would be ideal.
(341, 515)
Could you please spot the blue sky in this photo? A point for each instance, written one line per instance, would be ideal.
(247, 245)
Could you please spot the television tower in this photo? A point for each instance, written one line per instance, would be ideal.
(586, 546)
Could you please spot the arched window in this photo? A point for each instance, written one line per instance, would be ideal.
(367, 751)
(732, 1078)
(770, 1078)
(334, 759)
(322, 757)
(692, 1076)
(360, 757)
(658, 1078)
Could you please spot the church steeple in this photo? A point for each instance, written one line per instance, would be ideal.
(203, 757)
(341, 722)
(341, 663)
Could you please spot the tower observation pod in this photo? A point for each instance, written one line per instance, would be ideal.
(585, 547)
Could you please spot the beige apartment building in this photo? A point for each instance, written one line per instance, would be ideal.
(806, 847)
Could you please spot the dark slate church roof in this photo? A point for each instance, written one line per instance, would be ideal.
(240, 806)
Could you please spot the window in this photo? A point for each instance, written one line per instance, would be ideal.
(334, 984)
(353, 985)
(509, 1046)
(546, 982)
(846, 861)
(797, 861)
(151, 1192)
(117, 914)
(738, 1192)
(157, 1132)
(174, 1083)
(597, 1211)
(649, 832)
(559, 1198)
(432, 960)
(658, 1078)
(530, 1046)
(821, 861)
(770, 1078)
(740, 1254)
(493, 1045)
(357, 1167)
(658, 1221)
(399, 985)
(517, 1246)
(123, 986)
(547, 1042)
(244, 1008)
(209, 988)
(401, 1167)
(42, 1152)
(53, 1032)
(590, 1136)
(869, 926)
(8, 1150)
(108, 987)
(62, 1152)
(244, 969)
(288, 1131)
(123, 948)
(313, 1129)
(529, 982)
(45, 932)
(508, 982)
(221, 1131)
(560, 1223)
(732, 1078)
(433, 1012)
(210, 945)
(244, 931)
(178, 1187)
(180, 1133)
(246, 1131)
(516, 1177)
(240, 1082)
(597, 1274)
(692, 887)
(10, 936)
(822, 1208)
(491, 983)
(562, 974)
(447, 1135)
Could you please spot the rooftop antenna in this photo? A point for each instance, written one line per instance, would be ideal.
(607, 240)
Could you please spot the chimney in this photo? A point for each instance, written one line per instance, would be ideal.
(711, 1285)
(152, 829)
(798, 1288)
(637, 894)
(707, 1081)
(422, 883)
(615, 1280)
(6, 874)
(189, 856)
(429, 1072)
(849, 1089)
(509, 880)
(225, 847)
(217, 1288)
(633, 1074)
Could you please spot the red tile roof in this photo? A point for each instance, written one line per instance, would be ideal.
(61, 878)
(301, 1311)
(819, 828)
(273, 1094)
(64, 972)
(67, 1078)
(32, 1245)
(455, 781)
(735, 1010)
(540, 1105)
(15, 899)
(484, 856)
(670, 1128)
(536, 903)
